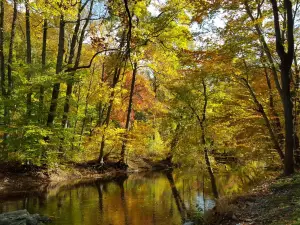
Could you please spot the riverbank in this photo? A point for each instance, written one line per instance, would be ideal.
(18, 179)
(275, 201)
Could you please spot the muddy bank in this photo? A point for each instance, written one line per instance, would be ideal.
(276, 201)
(17, 179)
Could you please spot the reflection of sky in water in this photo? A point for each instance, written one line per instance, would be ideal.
(147, 199)
(204, 203)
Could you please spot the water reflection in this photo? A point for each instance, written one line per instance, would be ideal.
(147, 199)
(179, 203)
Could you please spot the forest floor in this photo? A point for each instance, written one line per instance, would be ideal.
(276, 202)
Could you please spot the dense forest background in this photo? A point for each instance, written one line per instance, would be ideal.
(195, 82)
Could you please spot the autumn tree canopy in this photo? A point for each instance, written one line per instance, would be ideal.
(187, 81)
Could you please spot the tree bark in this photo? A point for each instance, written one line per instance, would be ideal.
(266, 119)
(202, 121)
(286, 60)
(9, 63)
(77, 60)
(11, 46)
(2, 63)
(44, 54)
(296, 112)
(59, 64)
(109, 110)
(28, 57)
(276, 120)
(127, 125)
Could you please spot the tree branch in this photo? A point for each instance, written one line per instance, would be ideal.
(91, 61)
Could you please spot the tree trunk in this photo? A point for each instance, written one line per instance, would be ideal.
(10, 53)
(44, 54)
(28, 57)
(174, 143)
(289, 126)
(71, 56)
(2, 63)
(276, 120)
(296, 112)
(116, 77)
(109, 110)
(127, 125)
(202, 121)
(84, 122)
(9, 64)
(266, 119)
(286, 60)
(2, 68)
(59, 64)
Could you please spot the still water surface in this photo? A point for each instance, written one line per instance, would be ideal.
(140, 199)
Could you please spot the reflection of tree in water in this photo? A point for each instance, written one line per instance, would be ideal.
(187, 214)
(100, 188)
(178, 200)
(120, 183)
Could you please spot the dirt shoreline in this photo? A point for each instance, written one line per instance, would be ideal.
(276, 201)
(35, 182)
(17, 179)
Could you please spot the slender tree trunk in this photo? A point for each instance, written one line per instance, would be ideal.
(202, 121)
(127, 125)
(101, 106)
(84, 122)
(266, 119)
(44, 54)
(276, 120)
(109, 110)
(28, 57)
(2, 66)
(116, 77)
(9, 62)
(70, 62)
(76, 118)
(77, 60)
(203, 140)
(2, 63)
(174, 143)
(10, 53)
(59, 64)
(266, 49)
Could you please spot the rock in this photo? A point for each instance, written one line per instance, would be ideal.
(189, 223)
(234, 217)
(22, 217)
